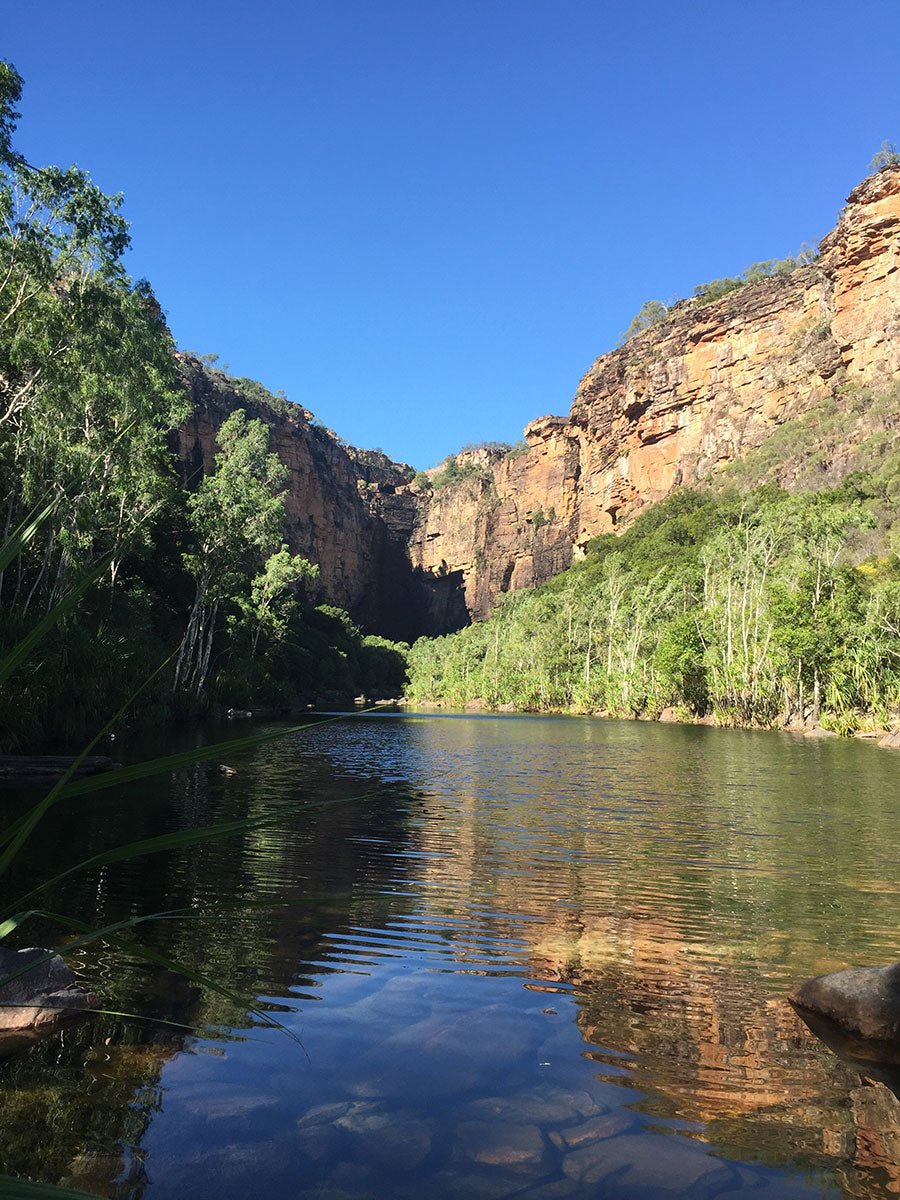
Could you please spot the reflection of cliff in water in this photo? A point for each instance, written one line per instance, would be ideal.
(682, 915)
(708, 1043)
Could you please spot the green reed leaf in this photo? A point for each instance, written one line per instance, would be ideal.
(16, 542)
(12, 660)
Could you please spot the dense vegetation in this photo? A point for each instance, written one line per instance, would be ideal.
(751, 608)
(193, 598)
(654, 312)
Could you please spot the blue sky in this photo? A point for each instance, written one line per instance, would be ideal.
(423, 220)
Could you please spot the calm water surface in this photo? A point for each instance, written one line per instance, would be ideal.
(519, 956)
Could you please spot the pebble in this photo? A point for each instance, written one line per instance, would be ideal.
(221, 1103)
(544, 1106)
(397, 1138)
(322, 1114)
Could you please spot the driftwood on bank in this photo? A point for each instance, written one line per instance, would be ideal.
(19, 769)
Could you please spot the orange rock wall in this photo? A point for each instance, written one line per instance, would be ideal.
(701, 389)
(352, 513)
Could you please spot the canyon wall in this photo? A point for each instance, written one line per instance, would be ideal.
(349, 511)
(697, 391)
(693, 393)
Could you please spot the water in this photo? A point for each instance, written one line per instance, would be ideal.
(511, 956)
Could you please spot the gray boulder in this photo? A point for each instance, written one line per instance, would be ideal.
(862, 1001)
(39, 999)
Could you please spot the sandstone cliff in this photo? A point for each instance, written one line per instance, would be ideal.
(351, 512)
(709, 384)
(699, 391)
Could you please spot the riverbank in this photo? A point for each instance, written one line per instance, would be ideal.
(886, 737)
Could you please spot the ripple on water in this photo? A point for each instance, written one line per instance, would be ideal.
(540, 957)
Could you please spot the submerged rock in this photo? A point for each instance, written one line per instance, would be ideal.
(39, 999)
(862, 1001)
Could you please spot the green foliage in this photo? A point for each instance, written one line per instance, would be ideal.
(746, 607)
(498, 448)
(10, 95)
(887, 156)
(89, 392)
(517, 449)
(255, 390)
(707, 293)
(651, 312)
(454, 472)
(236, 516)
(450, 473)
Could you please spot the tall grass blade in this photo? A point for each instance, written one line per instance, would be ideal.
(20, 537)
(14, 658)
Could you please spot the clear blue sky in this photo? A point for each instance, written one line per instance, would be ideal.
(425, 218)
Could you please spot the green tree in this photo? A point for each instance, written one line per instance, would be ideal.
(651, 313)
(87, 380)
(272, 599)
(887, 156)
(236, 517)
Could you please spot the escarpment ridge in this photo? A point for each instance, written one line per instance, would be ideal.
(672, 406)
(676, 403)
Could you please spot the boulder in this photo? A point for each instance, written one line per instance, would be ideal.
(39, 999)
(890, 741)
(863, 1002)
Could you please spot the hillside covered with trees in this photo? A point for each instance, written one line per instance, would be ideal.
(746, 606)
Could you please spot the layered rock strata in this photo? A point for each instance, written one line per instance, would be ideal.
(351, 512)
(699, 390)
(709, 384)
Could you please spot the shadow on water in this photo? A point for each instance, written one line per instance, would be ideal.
(525, 956)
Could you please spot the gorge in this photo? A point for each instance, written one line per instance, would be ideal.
(409, 554)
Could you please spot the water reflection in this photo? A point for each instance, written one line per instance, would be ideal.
(524, 956)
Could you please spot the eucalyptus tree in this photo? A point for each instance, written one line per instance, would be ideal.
(87, 379)
(238, 559)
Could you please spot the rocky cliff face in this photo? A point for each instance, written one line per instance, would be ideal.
(351, 512)
(701, 389)
(698, 391)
